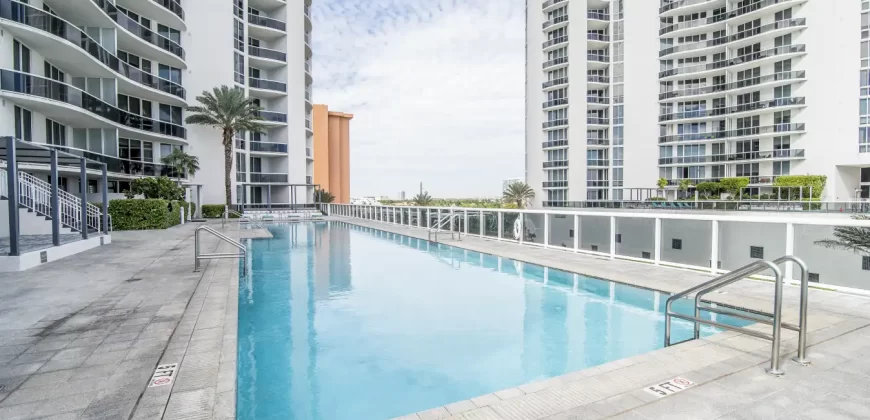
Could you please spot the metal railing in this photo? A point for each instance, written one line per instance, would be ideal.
(239, 216)
(441, 223)
(198, 255)
(773, 319)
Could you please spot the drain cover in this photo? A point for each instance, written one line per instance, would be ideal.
(2, 387)
(133, 279)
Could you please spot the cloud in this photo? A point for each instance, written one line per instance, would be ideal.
(436, 88)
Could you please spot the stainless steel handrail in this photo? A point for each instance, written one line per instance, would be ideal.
(776, 322)
(439, 225)
(199, 256)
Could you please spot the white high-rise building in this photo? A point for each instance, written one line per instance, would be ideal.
(698, 90)
(110, 80)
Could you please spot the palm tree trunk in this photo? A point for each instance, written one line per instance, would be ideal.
(228, 166)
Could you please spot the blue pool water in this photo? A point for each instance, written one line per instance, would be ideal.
(342, 322)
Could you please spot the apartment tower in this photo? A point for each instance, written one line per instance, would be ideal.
(751, 88)
(332, 152)
(110, 80)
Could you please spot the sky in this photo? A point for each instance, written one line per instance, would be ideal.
(436, 88)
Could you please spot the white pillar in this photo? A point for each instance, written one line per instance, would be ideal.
(714, 247)
(501, 225)
(482, 225)
(419, 218)
(658, 239)
(465, 221)
(612, 237)
(576, 232)
(789, 250)
(522, 228)
(546, 230)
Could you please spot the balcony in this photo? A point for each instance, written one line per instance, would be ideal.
(267, 88)
(699, 114)
(66, 43)
(266, 58)
(551, 44)
(770, 80)
(272, 117)
(685, 6)
(550, 4)
(555, 22)
(173, 6)
(597, 183)
(263, 27)
(69, 105)
(702, 91)
(554, 144)
(555, 123)
(555, 103)
(268, 178)
(308, 154)
(266, 147)
(168, 12)
(119, 166)
(599, 16)
(682, 28)
(308, 125)
(590, 141)
(554, 83)
(778, 104)
(138, 39)
(598, 100)
(782, 154)
(770, 30)
(765, 131)
(596, 79)
(778, 53)
(766, 7)
(678, 50)
(696, 70)
(597, 162)
(556, 164)
(555, 184)
(597, 61)
(555, 63)
(597, 121)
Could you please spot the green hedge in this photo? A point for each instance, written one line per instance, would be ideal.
(140, 214)
(212, 211)
(817, 182)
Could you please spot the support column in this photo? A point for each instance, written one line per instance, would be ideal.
(546, 230)
(55, 200)
(612, 237)
(83, 180)
(658, 239)
(789, 250)
(199, 201)
(269, 197)
(576, 232)
(105, 192)
(12, 180)
(465, 221)
(714, 247)
(482, 225)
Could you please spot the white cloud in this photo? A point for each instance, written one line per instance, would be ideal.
(436, 89)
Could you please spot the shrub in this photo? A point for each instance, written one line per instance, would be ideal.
(733, 185)
(707, 189)
(161, 188)
(140, 214)
(214, 211)
(817, 182)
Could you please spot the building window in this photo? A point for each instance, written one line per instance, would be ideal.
(21, 57)
(676, 243)
(55, 133)
(169, 73)
(174, 35)
(756, 252)
(23, 124)
(135, 61)
(135, 105)
(239, 35)
(170, 114)
(53, 73)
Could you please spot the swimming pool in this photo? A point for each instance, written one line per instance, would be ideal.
(338, 321)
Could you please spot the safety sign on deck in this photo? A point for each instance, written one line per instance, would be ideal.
(672, 386)
(163, 375)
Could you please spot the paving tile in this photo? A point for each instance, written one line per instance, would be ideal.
(190, 405)
(460, 407)
(60, 405)
(50, 378)
(105, 358)
(485, 400)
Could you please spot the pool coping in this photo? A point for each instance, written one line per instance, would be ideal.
(618, 387)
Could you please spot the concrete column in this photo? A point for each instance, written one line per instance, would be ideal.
(105, 192)
(12, 181)
(83, 178)
(55, 200)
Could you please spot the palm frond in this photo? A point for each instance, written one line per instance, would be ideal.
(849, 238)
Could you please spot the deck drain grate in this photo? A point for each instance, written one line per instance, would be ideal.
(134, 279)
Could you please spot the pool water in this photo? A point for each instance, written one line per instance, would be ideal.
(343, 322)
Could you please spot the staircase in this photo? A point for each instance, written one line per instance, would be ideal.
(34, 195)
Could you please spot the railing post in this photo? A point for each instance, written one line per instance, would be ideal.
(658, 239)
(12, 181)
(501, 226)
(465, 221)
(105, 208)
(55, 200)
(522, 228)
(482, 225)
(419, 218)
(576, 232)
(777, 325)
(83, 177)
(714, 247)
(612, 237)
(546, 230)
(789, 250)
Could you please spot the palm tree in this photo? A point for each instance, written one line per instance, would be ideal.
(228, 110)
(849, 238)
(323, 196)
(422, 199)
(185, 165)
(518, 193)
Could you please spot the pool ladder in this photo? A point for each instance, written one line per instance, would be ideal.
(774, 319)
(198, 255)
(439, 225)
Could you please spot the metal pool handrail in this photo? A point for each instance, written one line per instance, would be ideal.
(199, 256)
(737, 275)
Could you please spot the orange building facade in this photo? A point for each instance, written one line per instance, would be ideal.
(332, 152)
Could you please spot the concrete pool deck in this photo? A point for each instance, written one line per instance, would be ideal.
(728, 368)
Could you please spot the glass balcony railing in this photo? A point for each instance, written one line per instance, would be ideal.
(773, 103)
(265, 147)
(692, 181)
(699, 113)
(594, 36)
(555, 21)
(598, 57)
(555, 184)
(267, 22)
(601, 100)
(549, 3)
(271, 116)
(786, 49)
(554, 143)
(267, 84)
(121, 166)
(555, 102)
(674, 4)
(668, 28)
(694, 68)
(35, 18)
(693, 46)
(789, 75)
(593, 78)
(782, 24)
(754, 6)
(739, 132)
(140, 31)
(597, 142)
(597, 16)
(556, 62)
(554, 82)
(555, 41)
(735, 157)
(267, 53)
(173, 6)
(597, 183)
(27, 84)
(556, 164)
(555, 123)
(597, 121)
(267, 178)
(597, 162)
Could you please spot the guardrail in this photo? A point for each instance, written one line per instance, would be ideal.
(198, 255)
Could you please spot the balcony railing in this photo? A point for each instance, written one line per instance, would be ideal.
(603, 100)
(556, 164)
(267, 53)
(594, 36)
(695, 68)
(555, 102)
(597, 121)
(692, 24)
(693, 46)
(266, 147)
(789, 75)
(267, 178)
(597, 162)
(555, 184)
(782, 24)
(594, 78)
(173, 6)
(598, 57)
(556, 62)
(140, 31)
(27, 84)
(680, 3)
(692, 91)
(597, 142)
(740, 132)
(272, 116)
(786, 49)
(267, 84)
(714, 135)
(734, 157)
(549, 3)
(555, 123)
(122, 166)
(755, 6)
(774, 103)
(554, 82)
(597, 183)
(35, 18)
(267, 22)
(597, 15)
(554, 143)
(555, 21)
(555, 41)
(700, 113)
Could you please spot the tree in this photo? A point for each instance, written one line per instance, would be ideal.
(323, 196)
(734, 185)
(156, 188)
(518, 193)
(228, 110)
(185, 165)
(422, 199)
(850, 238)
(662, 183)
